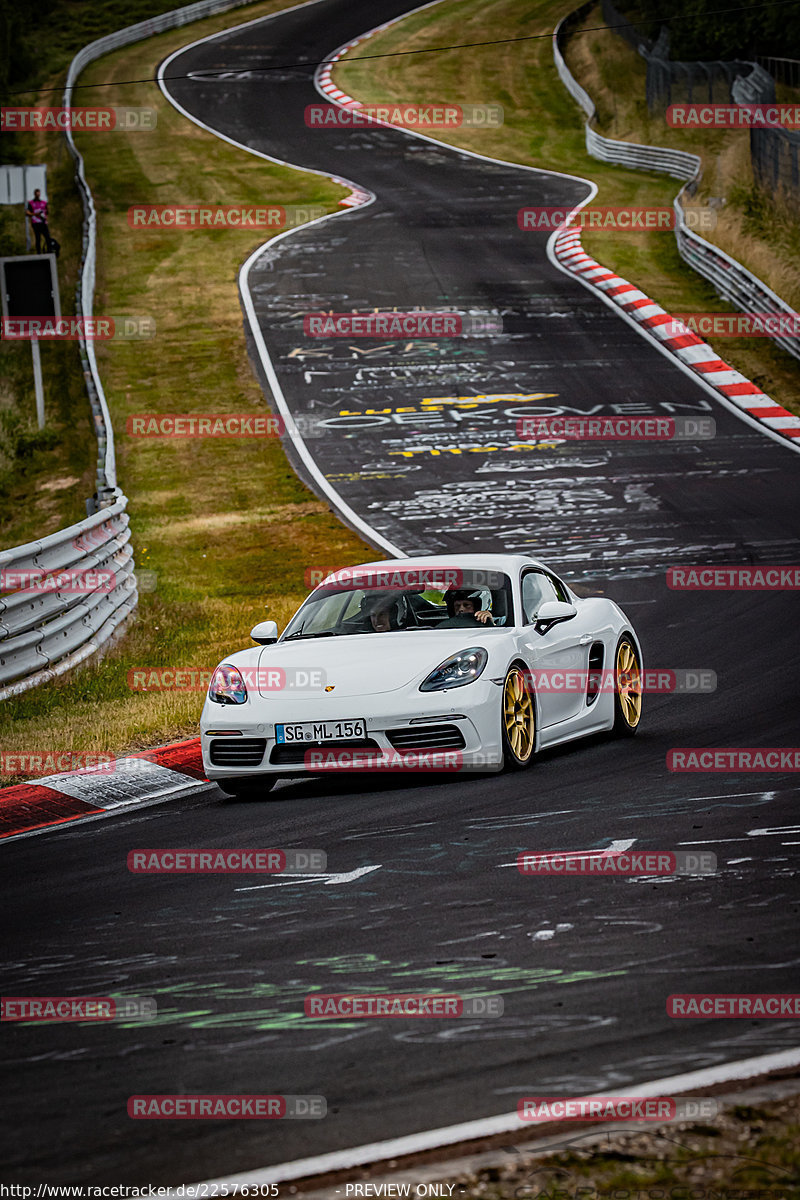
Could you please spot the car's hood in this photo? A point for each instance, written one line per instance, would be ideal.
(363, 664)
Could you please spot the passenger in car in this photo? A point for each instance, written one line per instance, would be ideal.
(464, 611)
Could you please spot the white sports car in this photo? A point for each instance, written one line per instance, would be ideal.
(466, 662)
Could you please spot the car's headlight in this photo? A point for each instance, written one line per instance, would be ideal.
(227, 686)
(455, 671)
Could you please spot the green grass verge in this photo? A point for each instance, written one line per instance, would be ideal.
(225, 524)
(46, 476)
(544, 128)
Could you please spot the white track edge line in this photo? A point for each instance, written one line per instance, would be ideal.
(330, 492)
(299, 444)
(341, 1160)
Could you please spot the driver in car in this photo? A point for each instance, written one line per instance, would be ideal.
(380, 612)
(381, 618)
(464, 610)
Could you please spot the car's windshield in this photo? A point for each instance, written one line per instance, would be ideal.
(405, 600)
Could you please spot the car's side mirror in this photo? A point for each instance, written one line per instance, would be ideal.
(551, 612)
(265, 633)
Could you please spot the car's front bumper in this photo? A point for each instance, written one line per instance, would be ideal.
(244, 736)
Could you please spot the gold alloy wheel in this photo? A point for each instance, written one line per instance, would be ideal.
(518, 715)
(629, 684)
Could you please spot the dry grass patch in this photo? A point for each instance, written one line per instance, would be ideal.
(615, 76)
(544, 128)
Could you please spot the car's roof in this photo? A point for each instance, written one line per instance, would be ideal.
(509, 563)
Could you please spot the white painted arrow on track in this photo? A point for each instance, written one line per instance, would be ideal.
(326, 877)
(618, 847)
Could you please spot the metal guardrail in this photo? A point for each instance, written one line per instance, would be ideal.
(46, 631)
(731, 280)
(565, 75)
(676, 163)
(47, 623)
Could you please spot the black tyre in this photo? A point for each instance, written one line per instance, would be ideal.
(518, 719)
(628, 687)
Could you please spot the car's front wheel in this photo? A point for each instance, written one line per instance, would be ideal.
(628, 688)
(248, 788)
(518, 719)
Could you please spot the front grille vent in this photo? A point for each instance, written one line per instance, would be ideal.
(427, 737)
(237, 752)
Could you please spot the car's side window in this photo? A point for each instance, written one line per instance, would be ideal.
(561, 591)
(537, 589)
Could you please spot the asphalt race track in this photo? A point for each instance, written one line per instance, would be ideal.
(584, 966)
(443, 231)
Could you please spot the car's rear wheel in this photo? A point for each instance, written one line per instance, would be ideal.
(518, 719)
(250, 787)
(628, 688)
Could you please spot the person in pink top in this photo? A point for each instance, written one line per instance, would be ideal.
(37, 213)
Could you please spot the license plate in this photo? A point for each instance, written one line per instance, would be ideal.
(320, 731)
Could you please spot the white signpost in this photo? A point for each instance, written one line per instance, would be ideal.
(17, 185)
(29, 288)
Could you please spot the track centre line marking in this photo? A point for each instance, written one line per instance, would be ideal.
(737, 795)
(776, 831)
(353, 837)
(537, 816)
(327, 878)
(765, 831)
(618, 847)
